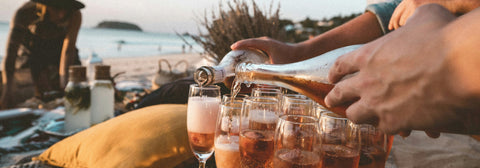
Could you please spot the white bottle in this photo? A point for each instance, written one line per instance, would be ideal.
(77, 100)
(92, 61)
(102, 95)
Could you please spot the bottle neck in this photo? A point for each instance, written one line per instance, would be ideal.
(77, 83)
(207, 75)
(102, 83)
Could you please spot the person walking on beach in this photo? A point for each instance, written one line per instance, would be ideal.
(43, 35)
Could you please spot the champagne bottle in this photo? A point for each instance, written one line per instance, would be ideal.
(309, 77)
(207, 75)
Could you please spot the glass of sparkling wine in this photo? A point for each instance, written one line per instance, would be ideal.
(373, 153)
(296, 104)
(340, 139)
(239, 98)
(296, 139)
(257, 129)
(267, 92)
(227, 154)
(202, 112)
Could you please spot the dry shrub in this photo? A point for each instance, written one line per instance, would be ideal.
(237, 23)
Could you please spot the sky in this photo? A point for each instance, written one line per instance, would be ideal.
(169, 16)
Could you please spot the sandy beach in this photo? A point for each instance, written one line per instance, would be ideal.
(143, 69)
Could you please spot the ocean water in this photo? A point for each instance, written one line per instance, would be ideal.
(108, 43)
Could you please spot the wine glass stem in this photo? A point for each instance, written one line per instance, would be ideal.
(202, 164)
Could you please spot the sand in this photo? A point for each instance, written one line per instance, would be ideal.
(144, 68)
(449, 150)
(135, 71)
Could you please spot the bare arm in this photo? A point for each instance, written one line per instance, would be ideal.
(18, 31)
(362, 29)
(69, 47)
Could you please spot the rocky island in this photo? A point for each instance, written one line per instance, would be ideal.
(118, 25)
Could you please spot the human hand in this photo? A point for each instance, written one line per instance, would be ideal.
(406, 8)
(404, 79)
(278, 51)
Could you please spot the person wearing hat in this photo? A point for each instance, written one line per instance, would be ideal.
(42, 38)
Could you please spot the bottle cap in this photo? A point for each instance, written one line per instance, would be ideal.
(102, 72)
(77, 73)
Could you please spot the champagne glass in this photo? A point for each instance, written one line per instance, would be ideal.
(227, 154)
(267, 92)
(257, 127)
(319, 110)
(340, 141)
(296, 104)
(282, 90)
(238, 98)
(373, 153)
(296, 137)
(202, 111)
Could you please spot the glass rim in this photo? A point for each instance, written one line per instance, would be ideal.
(293, 95)
(296, 100)
(337, 117)
(251, 99)
(314, 119)
(229, 105)
(239, 94)
(208, 87)
(267, 89)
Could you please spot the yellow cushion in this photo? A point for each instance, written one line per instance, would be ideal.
(154, 136)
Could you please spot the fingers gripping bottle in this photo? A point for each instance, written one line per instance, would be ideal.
(207, 75)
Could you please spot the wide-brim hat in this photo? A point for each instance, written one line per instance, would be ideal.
(62, 4)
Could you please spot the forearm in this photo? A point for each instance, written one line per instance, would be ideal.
(463, 50)
(462, 6)
(66, 60)
(69, 52)
(464, 60)
(9, 60)
(362, 29)
(9, 66)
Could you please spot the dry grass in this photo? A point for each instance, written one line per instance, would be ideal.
(239, 21)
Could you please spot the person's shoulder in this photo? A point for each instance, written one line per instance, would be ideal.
(25, 14)
(27, 8)
(75, 19)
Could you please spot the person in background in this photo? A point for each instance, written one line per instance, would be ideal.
(365, 28)
(42, 38)
(379, 19)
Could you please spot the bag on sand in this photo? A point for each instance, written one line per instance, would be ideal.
(171, 74)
